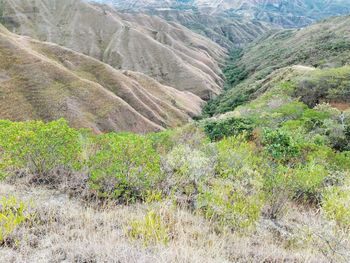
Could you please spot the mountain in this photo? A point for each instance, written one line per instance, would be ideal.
(167, 52)
(322, 45)
(295, 13)
(40, 80)
(225, 29)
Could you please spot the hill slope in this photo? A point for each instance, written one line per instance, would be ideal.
(168, 52)
(45, 81)
(325, 44)
(293, 13)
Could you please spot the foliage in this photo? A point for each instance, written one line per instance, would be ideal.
(217, 130)
(123, 166)
(234, 198)
(280, 145)
(309, 181)
(186, 170)
(13, 213)
(151, 229)
(229, 204)
(336, 205)
(39, 147)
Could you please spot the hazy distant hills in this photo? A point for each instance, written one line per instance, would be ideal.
(287, 13)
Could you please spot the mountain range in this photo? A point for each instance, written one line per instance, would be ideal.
(291, 13)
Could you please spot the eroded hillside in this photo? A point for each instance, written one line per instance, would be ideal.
(45, 81)
(168, 52)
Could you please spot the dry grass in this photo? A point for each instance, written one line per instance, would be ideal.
(67, 230)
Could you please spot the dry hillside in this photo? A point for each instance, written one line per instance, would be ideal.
(168, 52)
(45, 81)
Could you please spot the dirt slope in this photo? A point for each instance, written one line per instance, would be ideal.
(168, 52)
(45, 81)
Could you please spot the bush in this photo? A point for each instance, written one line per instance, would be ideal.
(13, 213)
(309, 182)
(277, 188)
(38, 147)
(151, 229)
(336, 205)
(229, 204)
(123, 166)
(234, 196)
(217, 130)
(186, 169)
(280, 145)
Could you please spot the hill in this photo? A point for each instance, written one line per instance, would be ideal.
(295, 13)
(167, 52)
(323, 45)
(40, 80)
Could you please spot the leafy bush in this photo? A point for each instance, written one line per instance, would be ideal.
(216, 130)
(13, 213)
(234, 197)
(229, 204)
(151, 229)
(39, 147)
(336, 205)
(280, 145)
(123, 166)
(186, 168)
(308, 182)
(277, 188)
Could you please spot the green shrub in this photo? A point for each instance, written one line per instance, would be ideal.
(217, 130)
(229, 204)
(39, 147)
(280, 145)
(123, 166)
(163, 142)
(13, 213)
(336, 205)
(234, 198)
(186, 168)
(309, 182)
(151, 229)
(277, 189)
(238, 158)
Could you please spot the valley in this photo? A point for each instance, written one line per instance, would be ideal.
(174, 131)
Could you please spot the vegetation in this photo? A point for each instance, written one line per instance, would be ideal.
(323, 45)
(13, 213)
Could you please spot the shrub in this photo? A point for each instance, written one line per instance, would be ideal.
(162, 141)
(238, 158)
(217, 130)
(277, 188)
(123, 166)
(234, 197)
(39, 147)
(336, 205)
(151, 229)
(280, 145)
(229, 204)
(13, 213)
(186, 169)
(308, 182)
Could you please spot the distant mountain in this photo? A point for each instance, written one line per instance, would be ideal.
(287, 13)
